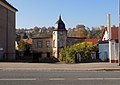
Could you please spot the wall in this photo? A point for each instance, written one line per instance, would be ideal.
(55, 49)
(44, 49)
(103, 51)
(7, 32)
(113, 51)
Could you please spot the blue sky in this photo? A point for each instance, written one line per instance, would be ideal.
(41, 13)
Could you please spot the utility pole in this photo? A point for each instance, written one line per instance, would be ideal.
(119, 34)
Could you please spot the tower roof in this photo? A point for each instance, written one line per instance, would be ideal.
(60, 24)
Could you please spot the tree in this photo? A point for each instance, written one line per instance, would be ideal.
(36, 29)
(22, 46)
(67, 54)
(79, 31)
(95, 32)
(25, 36)
(79, 26)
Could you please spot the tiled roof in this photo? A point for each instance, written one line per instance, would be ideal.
(94, 40)
(114, 31)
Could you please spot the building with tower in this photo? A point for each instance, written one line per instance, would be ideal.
(51, 46)
(59, 37)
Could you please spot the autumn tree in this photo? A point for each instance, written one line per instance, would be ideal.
(22, 46)
(95, 32)
(79, 31)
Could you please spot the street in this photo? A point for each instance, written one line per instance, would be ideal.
(59, 78)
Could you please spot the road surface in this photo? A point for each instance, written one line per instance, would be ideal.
(59, 78)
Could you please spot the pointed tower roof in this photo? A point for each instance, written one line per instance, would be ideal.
(60, 24)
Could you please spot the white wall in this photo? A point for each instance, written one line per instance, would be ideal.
(103, 51)
(55, 49)
(105, 37)
(113, 51)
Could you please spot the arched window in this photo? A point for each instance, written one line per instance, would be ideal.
(54, 43)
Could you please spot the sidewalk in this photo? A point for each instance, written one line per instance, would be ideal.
(60, 67)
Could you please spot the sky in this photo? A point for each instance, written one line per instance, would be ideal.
(91, 13)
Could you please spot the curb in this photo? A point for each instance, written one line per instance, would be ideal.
(58, 69)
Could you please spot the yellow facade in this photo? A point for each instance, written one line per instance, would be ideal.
(42, 46)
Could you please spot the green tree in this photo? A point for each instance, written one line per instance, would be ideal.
(67, 54)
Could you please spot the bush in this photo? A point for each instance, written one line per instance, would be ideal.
(67, 54)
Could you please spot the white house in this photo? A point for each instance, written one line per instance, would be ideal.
(108, 48)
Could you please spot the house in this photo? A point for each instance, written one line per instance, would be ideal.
(42, 47)
(108, 48)
(51, 46)
(7, 30)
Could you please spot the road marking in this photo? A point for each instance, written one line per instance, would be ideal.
(56, 79)
(112, 78)
(18, 79)
(90, 78)
(98, 78)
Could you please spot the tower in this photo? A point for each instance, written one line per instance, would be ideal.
(59, 37)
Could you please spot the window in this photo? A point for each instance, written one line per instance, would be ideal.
(39, 44)
(54, 43)
(48, 44)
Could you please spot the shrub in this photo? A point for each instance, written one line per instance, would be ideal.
(67, 54)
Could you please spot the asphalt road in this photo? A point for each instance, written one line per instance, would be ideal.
(59, 78)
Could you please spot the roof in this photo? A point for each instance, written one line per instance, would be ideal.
(93, 40)
(42, 38)
(114, 32)
(75, 38)
(5, 2)
(60, 24)
(103, 42)
(104, 30)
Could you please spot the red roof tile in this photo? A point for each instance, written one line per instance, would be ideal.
(114, 31)
(94, 41)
